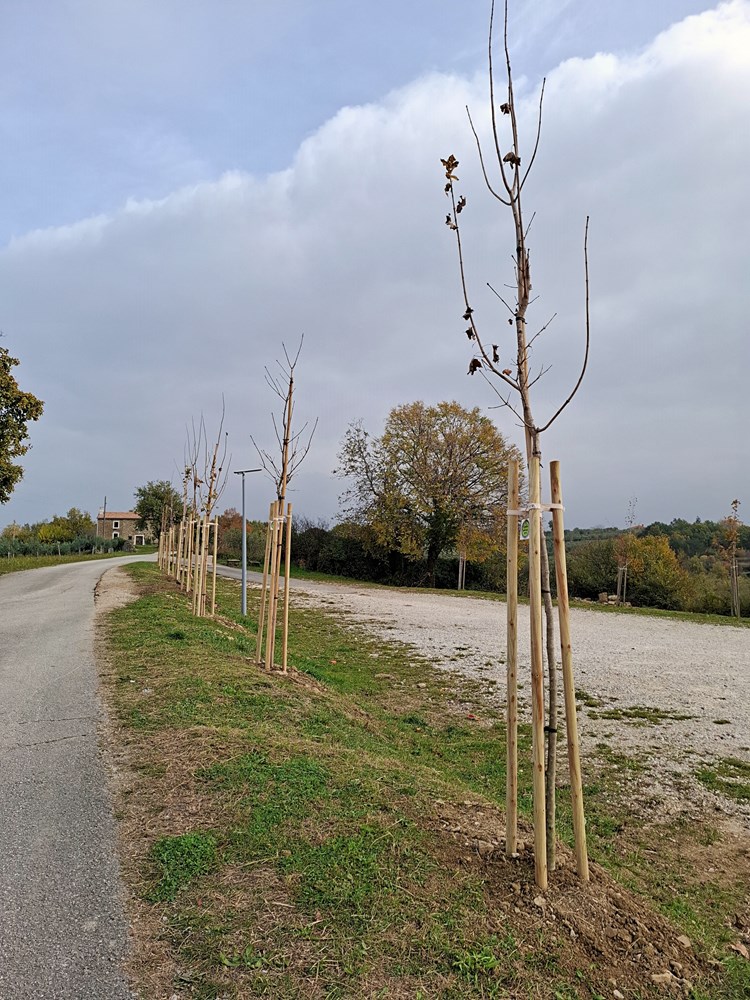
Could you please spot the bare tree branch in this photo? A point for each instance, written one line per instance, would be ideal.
(511, 311)
(292, 449)
(493, 113)
(490, 188)
(536, 146)
(540, 332)
(588, 333)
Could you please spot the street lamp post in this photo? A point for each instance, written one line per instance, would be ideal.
(243, 472)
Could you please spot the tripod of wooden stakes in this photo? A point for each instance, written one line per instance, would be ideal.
(530, 518)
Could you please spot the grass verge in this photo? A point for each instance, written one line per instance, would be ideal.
(338, 832)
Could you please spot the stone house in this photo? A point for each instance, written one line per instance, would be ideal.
(120, 524)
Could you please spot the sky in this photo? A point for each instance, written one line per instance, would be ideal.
(186, 186)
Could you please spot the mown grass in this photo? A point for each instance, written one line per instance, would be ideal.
(317, 835)
(640, 715)
(16, 564)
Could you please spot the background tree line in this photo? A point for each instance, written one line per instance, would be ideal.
(432, 487)
(63, 534)
(681, 566)
(662, 575)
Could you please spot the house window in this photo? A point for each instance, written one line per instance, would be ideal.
(115, 534)
(115, 524)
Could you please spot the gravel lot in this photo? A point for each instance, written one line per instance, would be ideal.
(621, 661)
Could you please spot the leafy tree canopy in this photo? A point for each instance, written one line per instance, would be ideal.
(154, 500)
(75, 524)
(655, 577)
(436, 479)
(17, 408)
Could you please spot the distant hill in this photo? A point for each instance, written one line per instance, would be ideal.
(686, 538)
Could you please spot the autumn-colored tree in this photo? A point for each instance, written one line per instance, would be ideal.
(230, 519)
(80, 523)
(75, 524)
(230, 536)
(56, 530)
(655, 577)
(17, 408)
(728, 550)
(155, 500)
(437, 474)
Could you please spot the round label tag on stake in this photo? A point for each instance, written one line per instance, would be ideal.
(524, 529)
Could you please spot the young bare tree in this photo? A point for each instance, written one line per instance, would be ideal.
(731, 526)
(207, 468)
(513, 382)
(293, 448)
(623, 545)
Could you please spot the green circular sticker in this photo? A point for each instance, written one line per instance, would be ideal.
(524, 529)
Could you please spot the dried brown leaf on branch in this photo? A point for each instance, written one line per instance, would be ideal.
(450, 165)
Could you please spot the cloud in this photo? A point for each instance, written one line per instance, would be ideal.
(130, 323)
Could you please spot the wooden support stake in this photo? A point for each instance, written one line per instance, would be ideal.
(197, 582)
(287, 568)
(193, 553)
(262, 611)
(206, 540)
(511, 664)
(197, 570)
(571, 719)
(189, 560)
(537, 674)
(178, 554)
(273, 610)
(273, 594)
(181, 553)
(213, 567)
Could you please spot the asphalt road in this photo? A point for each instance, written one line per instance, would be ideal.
(63, 933)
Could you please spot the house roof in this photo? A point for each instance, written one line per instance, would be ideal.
(118, 515)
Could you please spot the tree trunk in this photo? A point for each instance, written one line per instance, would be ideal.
(552, 696)
(433, 554)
